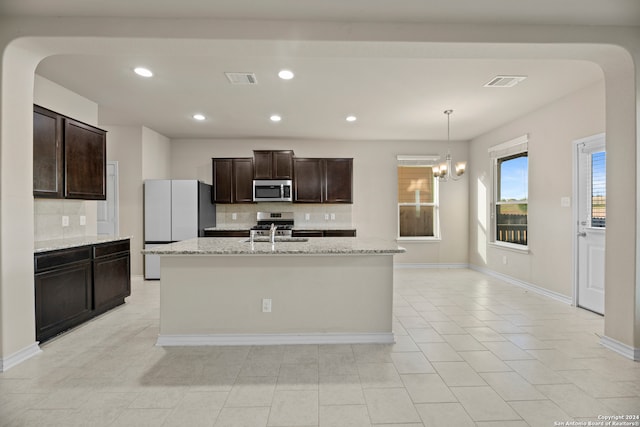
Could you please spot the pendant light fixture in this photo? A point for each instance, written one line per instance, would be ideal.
(443, 171)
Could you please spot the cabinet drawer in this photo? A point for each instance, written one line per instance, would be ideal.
(105, 249)
(48, 260)
(226, 233)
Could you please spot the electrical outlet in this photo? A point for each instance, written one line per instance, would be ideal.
(266, 305)
(83, 220)
(326, 217)
(333, 217)
(234, 216)
(65, 221)
(307, 217)
(504, 259)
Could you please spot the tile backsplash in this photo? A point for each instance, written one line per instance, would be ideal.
(48, 218)
(305, 215)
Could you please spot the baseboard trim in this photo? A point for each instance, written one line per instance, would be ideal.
(19, 357)
(418, 265)
(623, 349)
(522, 284)
(273, 339)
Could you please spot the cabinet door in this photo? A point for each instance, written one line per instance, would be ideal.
(85, 157)
(62, 297)
(262, 164)
(222, 187)
(47, 153)
(111, 275)
(243, 180)
(307, 184)
(338, 176)
(226, 233)
(282, 164)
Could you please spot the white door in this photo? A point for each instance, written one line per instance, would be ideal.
(591, 221)
(108, 209)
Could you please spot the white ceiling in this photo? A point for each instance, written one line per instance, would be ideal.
(394, 96)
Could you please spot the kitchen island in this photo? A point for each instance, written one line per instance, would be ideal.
(227, 291)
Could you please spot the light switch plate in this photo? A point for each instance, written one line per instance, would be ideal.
(83, 220)
(65, 221)
(565, 202)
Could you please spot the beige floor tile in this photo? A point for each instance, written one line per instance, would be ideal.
(142, 417)
(341, 390)
(502, 424)
(344, 416)
(427, 388)
(294, 408)
(511, 386)
(159, 397)
(390, 405)
(444, 415)
(421, 335)
(598, 386)
(439, 352)
(411, 363)
(243, 417)
(536, 373)
(463, 342)
(528, 341)
(458, 374)
(484, 404)
(624, 405)
(298, 376)
(573, 401)
(448, 328)
(377, 375)
(404, 343)
(252, 391)
(484, 361)
(507, 350)
(540, 413)
(372, 353)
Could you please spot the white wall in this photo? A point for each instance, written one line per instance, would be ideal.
(551, 131)
(374, 209)
(48, 212)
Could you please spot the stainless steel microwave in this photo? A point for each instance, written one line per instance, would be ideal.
(272, 190)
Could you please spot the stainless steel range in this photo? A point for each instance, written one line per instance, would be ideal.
(281, 221)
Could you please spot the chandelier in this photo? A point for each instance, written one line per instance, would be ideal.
(443, 171)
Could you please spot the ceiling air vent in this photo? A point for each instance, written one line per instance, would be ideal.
(242, 78)
(505, 81)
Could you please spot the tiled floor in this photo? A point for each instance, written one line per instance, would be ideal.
(470, 350)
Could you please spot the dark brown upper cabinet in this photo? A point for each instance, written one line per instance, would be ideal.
(47, 154)
(272, 164)
(232, 180)
(85, 159)
(320, 180)
(69, 157)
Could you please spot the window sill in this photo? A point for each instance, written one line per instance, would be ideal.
(510, 247)
(419, 239)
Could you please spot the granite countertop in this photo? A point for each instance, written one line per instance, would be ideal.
(247, 227)
(72, 242)
(311, 246)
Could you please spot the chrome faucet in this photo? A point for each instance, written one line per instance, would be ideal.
(272, 233)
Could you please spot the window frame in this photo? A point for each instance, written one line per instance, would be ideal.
(507, 150)
(428, 162)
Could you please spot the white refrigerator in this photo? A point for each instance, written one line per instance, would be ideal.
(174, 210)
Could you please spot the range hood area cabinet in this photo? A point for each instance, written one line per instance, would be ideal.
(272, 164)
(322, 180)
(69, 157)
(232, 180)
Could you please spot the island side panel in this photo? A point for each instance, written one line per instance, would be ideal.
(219, 294)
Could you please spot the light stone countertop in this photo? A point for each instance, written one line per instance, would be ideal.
(313, 246)
(72, 242)
(305, 228)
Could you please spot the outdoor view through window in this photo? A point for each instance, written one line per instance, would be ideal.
(416, 201)
(598, 189)
(511, 204)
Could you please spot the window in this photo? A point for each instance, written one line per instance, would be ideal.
(510, 192)
(598, 189)
(417, 198)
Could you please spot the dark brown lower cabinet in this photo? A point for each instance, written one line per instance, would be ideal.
(226, 233)
(324, 233)
(73, 285)
(111, 275)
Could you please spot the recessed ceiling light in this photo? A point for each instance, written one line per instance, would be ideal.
(351, 118)
(286, 74)
(144, 72)
(275, 118)
(199, 117)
